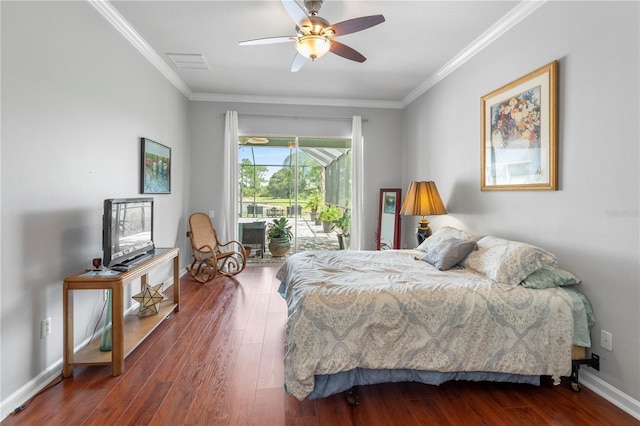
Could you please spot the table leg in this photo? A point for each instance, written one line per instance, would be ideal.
(176, 282)
(67, 331)
(117, 330)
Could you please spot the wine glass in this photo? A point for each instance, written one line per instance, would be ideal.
(97, 263)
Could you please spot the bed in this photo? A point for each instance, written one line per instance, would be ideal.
(459, 307)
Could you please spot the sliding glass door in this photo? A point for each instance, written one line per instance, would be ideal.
(296, 178)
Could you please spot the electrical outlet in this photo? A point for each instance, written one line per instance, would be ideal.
(212, 214)
(45, 328)
(606, 340)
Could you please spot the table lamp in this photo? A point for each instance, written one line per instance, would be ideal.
(422, 199)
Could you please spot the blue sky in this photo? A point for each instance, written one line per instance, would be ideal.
(264, 155)
(273, 156)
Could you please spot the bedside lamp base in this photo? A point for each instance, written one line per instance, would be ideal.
(423, 231)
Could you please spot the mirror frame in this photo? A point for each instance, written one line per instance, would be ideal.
(396, 226)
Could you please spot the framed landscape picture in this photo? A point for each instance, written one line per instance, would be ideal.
(155, 171)
(390, 202)
(519, 132)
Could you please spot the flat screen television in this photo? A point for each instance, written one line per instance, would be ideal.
(127, 230)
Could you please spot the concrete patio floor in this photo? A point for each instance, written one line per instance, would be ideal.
(310, 237)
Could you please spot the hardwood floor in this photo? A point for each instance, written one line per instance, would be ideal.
(219, 361)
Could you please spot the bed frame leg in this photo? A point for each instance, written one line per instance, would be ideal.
(352, 396)
(593, 362)
(575, 370)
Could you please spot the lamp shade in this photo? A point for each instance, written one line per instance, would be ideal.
(313, 46)
(423, 199)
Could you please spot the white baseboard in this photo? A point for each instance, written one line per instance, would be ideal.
(30, 389)
(611, 394)
(42, 380)
(593, 382)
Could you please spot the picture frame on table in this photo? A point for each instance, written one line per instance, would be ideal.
(155, 170)
(519, 127)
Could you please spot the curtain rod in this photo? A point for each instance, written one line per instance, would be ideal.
(296, 117)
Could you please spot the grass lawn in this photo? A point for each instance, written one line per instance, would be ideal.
(271, 202)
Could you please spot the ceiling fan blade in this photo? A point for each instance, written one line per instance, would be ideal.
(346, 51)
(267, 40)
(356, 24)
(298, 62)
(296, 12)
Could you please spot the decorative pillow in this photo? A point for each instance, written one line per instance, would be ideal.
(550, 276)
(444, 234)
(448, 253)
(507, 262)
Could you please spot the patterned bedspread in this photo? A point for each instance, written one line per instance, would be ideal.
(387, 310)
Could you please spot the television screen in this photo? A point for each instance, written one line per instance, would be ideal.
(127, 230)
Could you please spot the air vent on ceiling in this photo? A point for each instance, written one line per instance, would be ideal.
(189, 61)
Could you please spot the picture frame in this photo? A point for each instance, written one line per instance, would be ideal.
(519, 133)
(388, 233)
(390, 202)
(155, 169)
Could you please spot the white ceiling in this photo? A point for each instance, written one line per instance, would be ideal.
(420, 42)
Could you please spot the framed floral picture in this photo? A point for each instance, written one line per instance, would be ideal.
(155, 170)
(519, 134)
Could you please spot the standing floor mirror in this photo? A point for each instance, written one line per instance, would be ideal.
(388, 236)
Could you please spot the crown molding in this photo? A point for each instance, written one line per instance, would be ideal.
(517, 14)
(334, 102)
(114, 18)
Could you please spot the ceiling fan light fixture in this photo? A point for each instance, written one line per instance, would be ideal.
(314, 34)
(313, 46)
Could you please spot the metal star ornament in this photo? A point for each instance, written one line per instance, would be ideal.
(149, 298)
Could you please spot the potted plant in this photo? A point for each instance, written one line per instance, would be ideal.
(313, 204)
(279, 234)
(343, 229)
(321, 207)
(328, 216)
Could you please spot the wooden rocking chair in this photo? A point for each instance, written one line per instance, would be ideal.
(211, 257)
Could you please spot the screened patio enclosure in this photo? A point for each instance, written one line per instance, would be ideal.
(278, 176)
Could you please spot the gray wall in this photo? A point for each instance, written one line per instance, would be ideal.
(382, 159)
(591, 222)
(76, 98)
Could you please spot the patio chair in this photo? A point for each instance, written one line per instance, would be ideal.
(210, 256)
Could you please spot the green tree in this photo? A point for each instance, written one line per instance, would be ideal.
(309, 173)
(247, 177)
(280, 184)
(313, 180)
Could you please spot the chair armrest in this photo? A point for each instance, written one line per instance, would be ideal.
(206, 250)
(230, 244)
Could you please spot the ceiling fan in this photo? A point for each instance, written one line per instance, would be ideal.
(315, 36)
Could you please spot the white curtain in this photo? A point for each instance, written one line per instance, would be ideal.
(357, 189)
(229, 229)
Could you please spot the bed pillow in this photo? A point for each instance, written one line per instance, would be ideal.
(549, 276)
(448, 253)
(446, 233)
(507, 262)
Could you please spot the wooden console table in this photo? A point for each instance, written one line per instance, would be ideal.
(126, 333)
